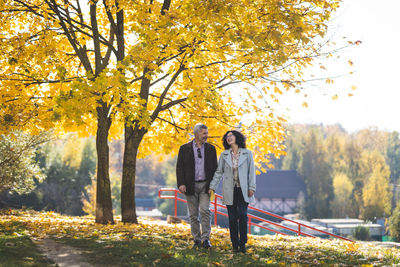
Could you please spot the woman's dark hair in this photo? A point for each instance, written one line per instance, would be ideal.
(240, 139)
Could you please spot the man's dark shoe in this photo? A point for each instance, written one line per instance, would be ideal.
(197, 244)
(235, 250)
(242, 249)
(206, 244)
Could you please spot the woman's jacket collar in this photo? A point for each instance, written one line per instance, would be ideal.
(228, 159)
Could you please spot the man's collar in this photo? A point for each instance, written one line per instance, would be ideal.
(195, 144)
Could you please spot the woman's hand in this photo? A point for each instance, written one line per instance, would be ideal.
(251, 193)
(210, 191)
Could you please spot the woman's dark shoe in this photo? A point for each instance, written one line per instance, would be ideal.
(242, 249)
(206, 244)
(235, 250)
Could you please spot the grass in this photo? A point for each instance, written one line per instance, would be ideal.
(17, 249)
(155, 243)
(148, 252)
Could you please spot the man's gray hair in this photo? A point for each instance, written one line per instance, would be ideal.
(198, 127)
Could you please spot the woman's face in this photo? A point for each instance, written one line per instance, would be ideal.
(231, 138)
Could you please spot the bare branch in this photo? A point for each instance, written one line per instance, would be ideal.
(172, 103)
(173, 124)
(164, 93)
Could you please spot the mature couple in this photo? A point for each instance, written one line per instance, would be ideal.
(198, 175)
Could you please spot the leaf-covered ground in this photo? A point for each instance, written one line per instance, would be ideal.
(156, 243)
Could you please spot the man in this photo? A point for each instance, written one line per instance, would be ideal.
(197, 162)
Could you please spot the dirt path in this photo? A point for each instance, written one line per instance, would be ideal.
(62, 255)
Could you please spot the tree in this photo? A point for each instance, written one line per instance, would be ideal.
(335, 146)
(64, 177)
(372, 139)
(393, 156)
(362, 233)
(352, 159)
(376, 193)
(293, 148)
(18, 169)
(394, 224)
(317, 174)
(342, 190)
(152, 70)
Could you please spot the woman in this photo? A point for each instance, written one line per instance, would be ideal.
(236, 165)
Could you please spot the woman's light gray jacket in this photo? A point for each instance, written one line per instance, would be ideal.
(247, 176)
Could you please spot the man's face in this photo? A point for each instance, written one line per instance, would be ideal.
(202, 135)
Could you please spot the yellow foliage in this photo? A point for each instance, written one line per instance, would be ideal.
(176, 68)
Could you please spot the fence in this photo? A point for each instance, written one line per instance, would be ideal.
(251, 218)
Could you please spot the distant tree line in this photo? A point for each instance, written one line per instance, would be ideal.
(346, 174)
(65, 167)
(45, 173)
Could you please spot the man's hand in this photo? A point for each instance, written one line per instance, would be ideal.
(182, 189)
(251, 193)
(210, 191)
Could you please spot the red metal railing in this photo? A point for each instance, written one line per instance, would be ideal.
(251, 217)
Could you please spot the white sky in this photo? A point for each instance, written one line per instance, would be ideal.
(376, 102)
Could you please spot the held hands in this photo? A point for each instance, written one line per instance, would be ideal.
(182, 189)
(251, 193)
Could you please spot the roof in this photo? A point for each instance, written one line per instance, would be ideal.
(352, 225)
(277, 184)
(338, 221)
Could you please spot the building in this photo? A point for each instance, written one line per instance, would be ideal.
(346, 227)
(333, 222)
(279, 191)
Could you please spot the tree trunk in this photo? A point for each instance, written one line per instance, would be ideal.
(133, 137)
(104, 213)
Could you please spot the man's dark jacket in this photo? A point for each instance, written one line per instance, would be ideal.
(185, 166)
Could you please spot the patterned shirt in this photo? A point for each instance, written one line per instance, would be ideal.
(235, 161)
(199, 174)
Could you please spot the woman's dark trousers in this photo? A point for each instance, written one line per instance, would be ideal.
(238, 219)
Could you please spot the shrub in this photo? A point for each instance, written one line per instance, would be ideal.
(362, 233)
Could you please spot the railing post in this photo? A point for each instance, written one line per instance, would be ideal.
(299, 232)
(176, 203)
(215, 211)
(249, 225)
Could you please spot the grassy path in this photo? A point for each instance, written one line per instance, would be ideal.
(156, 243)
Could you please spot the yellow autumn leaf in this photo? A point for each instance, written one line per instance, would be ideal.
(276, 90)
(352, 246)
(328, 81)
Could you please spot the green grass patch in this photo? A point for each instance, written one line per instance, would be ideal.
(162, 251)
(17, 249)
(155, 252)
